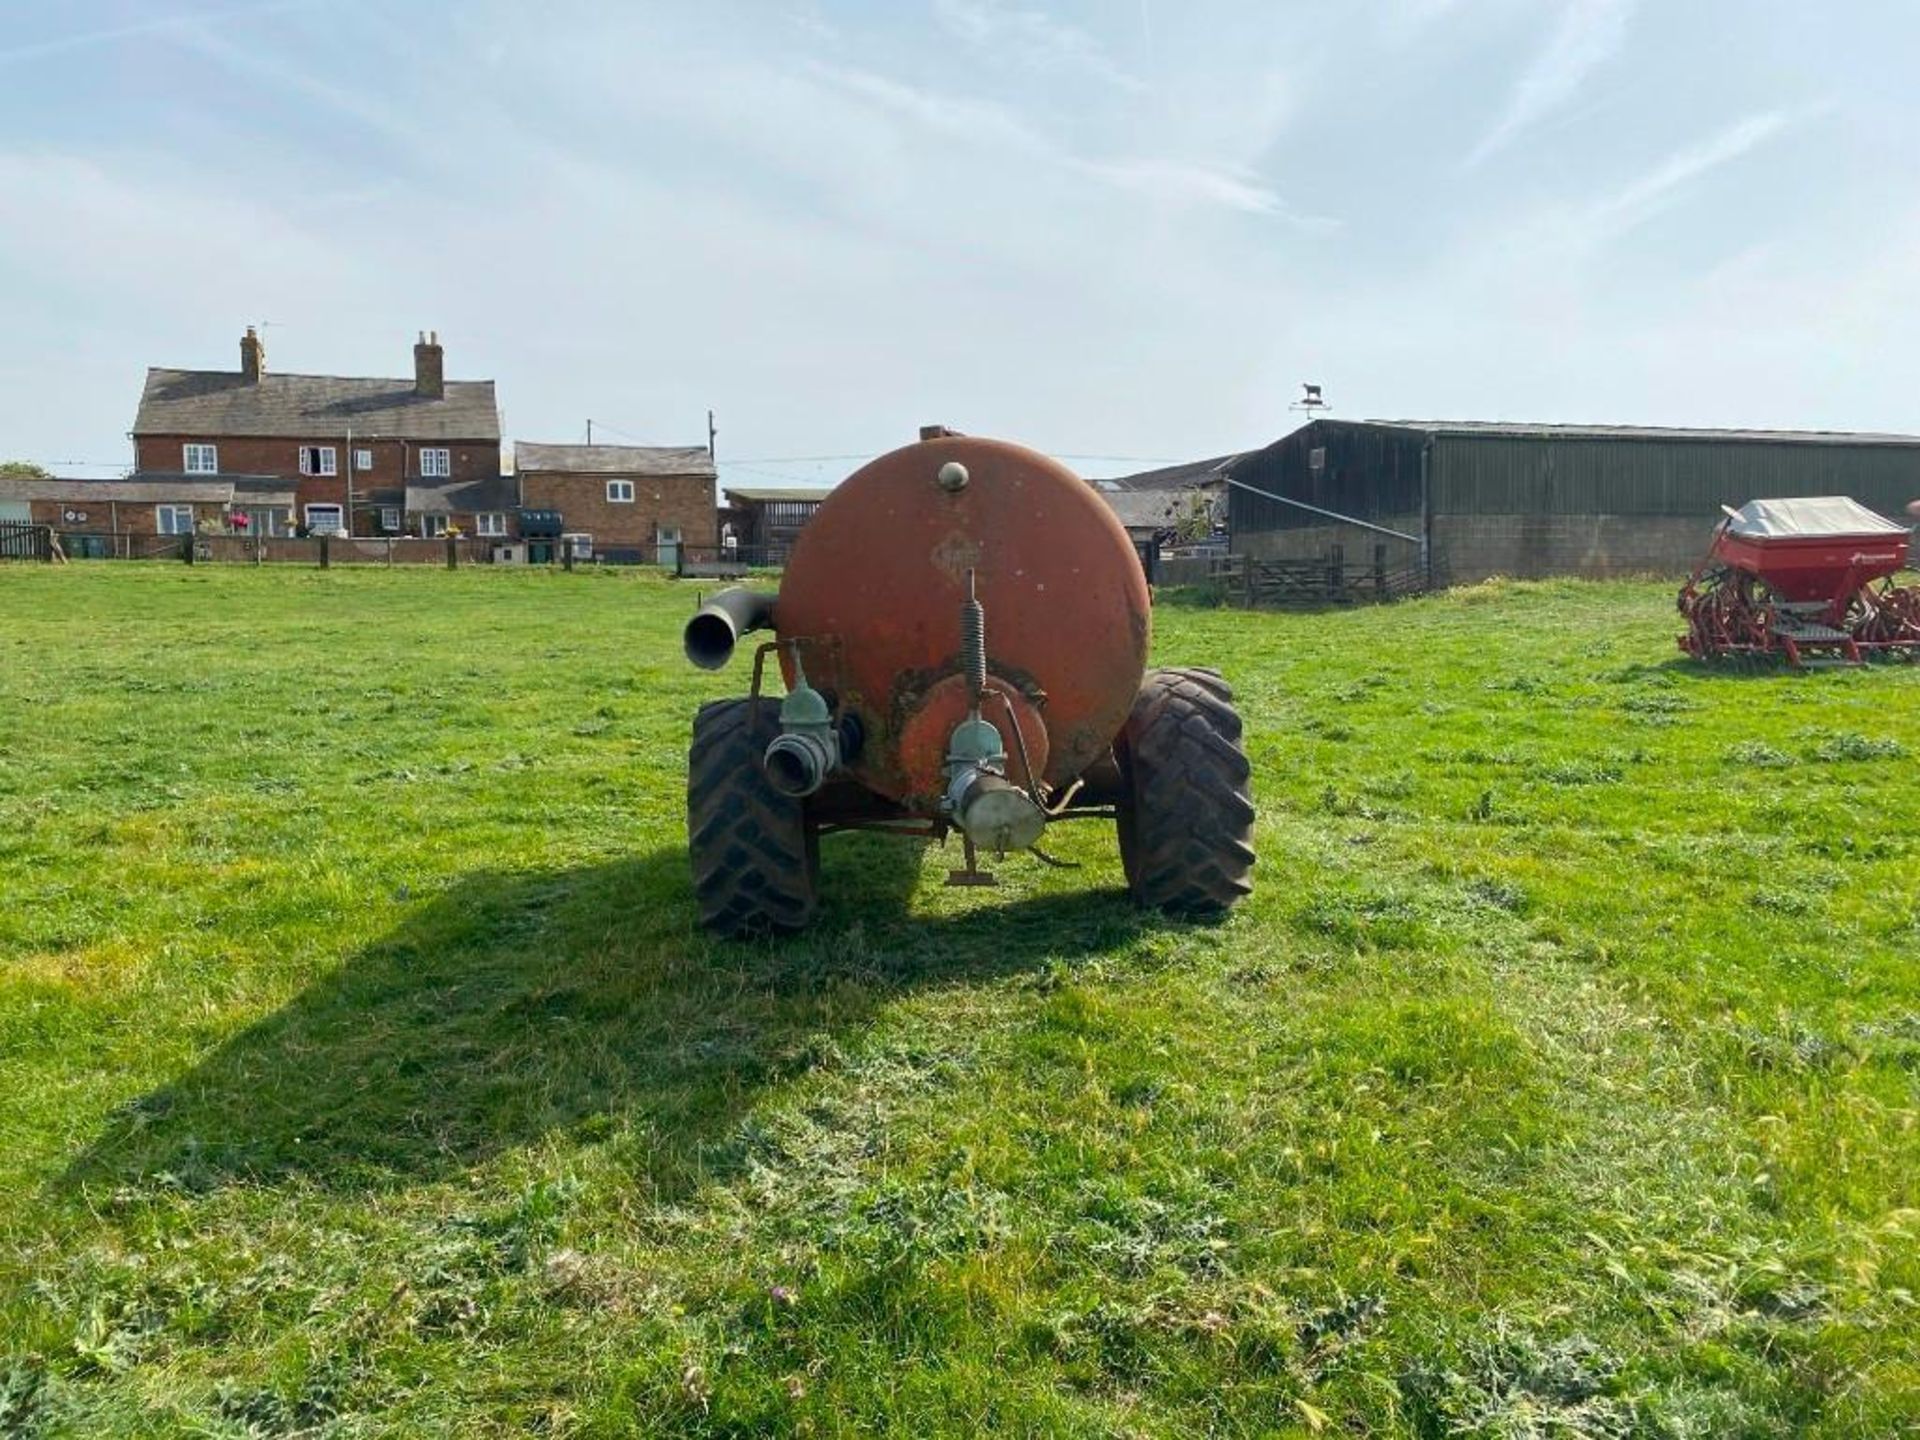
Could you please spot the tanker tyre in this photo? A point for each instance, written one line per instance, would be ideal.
(1186, 804)
(755, 858)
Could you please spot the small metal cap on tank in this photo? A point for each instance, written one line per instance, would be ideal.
(953, 477)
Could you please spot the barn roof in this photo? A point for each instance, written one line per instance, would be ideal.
(1528, 431)
(1173, 477)
(802, 495)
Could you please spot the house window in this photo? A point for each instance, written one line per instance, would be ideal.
(620, 492)
(490, 522)
(581, 545)
(318, 460)
(436, 464)
(363, 459)
(325, 520)
(433, 526)
(390, 519)
(174, 519)
(269, 520)
(201, 460)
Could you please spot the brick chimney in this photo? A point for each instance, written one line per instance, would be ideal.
(429, 367)
(253, 357)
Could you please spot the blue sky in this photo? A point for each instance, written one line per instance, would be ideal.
(1108, 230)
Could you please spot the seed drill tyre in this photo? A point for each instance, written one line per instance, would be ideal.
(754, 857)
(1186, 806)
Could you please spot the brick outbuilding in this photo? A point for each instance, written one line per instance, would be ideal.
(634, 503)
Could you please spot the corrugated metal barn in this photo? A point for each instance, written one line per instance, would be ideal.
(1533, 500)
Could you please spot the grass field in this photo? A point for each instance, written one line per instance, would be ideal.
(361, 1071)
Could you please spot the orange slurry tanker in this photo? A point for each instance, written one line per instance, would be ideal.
(961, 633)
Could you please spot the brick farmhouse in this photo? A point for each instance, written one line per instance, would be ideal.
(348, 447)
(267, 455)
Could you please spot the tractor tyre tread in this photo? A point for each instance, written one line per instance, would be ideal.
(1186, 812)
(754, 860)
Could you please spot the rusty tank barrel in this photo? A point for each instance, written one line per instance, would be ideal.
(718, 625)
(964, 576)
(976, 622)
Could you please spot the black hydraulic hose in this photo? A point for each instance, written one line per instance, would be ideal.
(718, 624)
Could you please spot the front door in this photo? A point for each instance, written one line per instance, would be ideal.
(667, 546)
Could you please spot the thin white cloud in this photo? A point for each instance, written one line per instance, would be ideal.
(158, 25)
(1636, 202)
(1589, 33)
(1030, 37)
(980, 122)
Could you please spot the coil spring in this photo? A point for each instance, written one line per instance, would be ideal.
(973, 647)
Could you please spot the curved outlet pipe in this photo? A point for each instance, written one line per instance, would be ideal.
(717, 625)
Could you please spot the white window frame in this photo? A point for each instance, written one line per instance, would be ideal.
(362, 459)
(434, 527)
(490, 523)
(200, 459)
(390, 518)
(166, 519)
(620, 492)
(582, 543)
(319, 460)
(339, 526)
(436, 463)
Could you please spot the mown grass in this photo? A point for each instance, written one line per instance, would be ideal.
(363, 1072)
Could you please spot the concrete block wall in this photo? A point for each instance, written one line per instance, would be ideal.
(1469, 548)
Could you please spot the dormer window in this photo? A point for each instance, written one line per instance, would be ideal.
(200, 460)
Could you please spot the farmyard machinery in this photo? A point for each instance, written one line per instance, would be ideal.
(1799, 579)
(962, 635)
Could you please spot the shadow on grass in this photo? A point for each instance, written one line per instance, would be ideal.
(581, 1003)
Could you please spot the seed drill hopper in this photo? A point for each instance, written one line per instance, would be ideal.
(961, 638)
(1802, 579)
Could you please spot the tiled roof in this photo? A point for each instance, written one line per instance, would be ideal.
(153, 487)
(494, 492)
(612, 459)
(312, 407)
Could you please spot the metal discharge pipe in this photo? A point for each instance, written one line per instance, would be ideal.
(712, 632)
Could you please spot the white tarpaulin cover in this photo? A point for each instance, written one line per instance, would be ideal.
(1821, 515)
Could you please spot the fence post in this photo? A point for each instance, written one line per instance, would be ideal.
(680, 560)
(186, 547)
(566, 553)
(1336, 572)
(326, 558)
(453, 553)
(1380, 571)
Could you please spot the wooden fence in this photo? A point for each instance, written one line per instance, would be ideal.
(21, 540)
(1328, 579)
